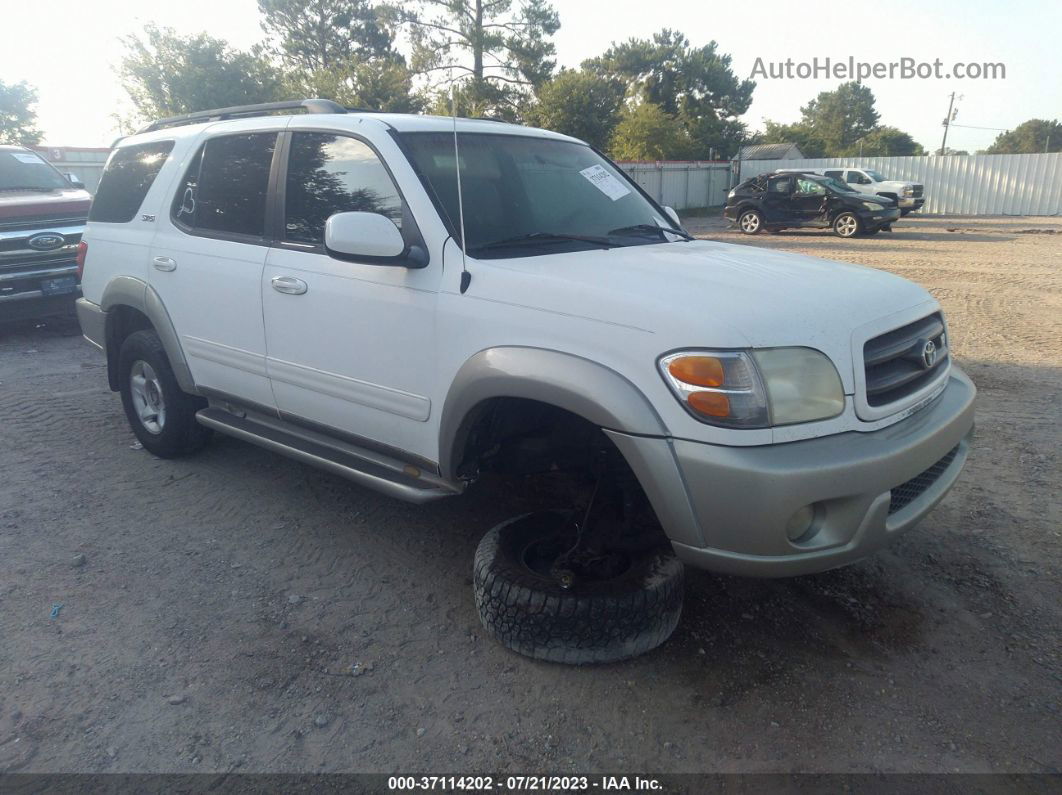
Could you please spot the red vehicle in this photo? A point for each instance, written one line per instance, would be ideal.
(42, 216)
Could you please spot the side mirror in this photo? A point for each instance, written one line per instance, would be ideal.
(370, 238)
(674, 216)
(75, 180)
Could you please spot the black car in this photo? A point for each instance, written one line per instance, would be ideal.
(780, 201)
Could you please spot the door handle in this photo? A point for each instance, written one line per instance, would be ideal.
(289, 285)
(164, 264)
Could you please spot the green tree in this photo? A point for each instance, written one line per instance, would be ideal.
(18, 119)
(501, 49)
(324, 34)
(839, 118)
(696, 85)
(1029, 137)
(800, 134)
(841, 123)
(578, 103)
(341, 50)
(884, 141)
(167, 74)
(647, 132)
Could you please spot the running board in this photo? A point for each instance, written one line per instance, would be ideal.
(391, 477)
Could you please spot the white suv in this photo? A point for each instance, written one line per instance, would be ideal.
(302, 282)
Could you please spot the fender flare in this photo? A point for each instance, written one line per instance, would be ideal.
(141, 296)
(587, 389)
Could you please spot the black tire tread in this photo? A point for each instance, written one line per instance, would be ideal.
(569, 626)
(181, 434)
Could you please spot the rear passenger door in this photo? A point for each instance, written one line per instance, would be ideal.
(207, 260)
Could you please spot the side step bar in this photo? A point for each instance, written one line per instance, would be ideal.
(390, 477)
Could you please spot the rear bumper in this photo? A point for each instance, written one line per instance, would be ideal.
(730, 510)
(93, 322)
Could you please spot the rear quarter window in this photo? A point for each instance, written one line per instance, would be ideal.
(129, 174)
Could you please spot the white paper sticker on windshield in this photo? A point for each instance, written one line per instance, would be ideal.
(25, 157)
(605, 182)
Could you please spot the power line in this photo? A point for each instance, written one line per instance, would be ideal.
(973, 127)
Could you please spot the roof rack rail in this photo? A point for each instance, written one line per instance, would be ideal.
(238, 111)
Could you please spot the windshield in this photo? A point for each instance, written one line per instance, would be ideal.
(23, 170)
(527, 196)
(874, 175)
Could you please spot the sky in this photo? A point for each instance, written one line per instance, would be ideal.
(73, 66)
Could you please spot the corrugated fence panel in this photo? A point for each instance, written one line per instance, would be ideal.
(683, 184)
(959, 184)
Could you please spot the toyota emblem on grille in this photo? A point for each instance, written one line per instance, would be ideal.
(46, 241)
(929, 354)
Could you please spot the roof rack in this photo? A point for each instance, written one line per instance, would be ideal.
(239, 111)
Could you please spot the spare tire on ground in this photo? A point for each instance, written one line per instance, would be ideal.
(594, 620)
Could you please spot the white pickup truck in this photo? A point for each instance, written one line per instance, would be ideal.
(425, 305)
(909, 196)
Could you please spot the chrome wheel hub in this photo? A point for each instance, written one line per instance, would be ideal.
(750, 222)
(148, 400)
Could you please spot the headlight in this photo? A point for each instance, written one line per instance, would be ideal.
(908, 191)
(755, 389)
(873, 206)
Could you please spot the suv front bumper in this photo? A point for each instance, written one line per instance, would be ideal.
(726, 508)
(37, 290)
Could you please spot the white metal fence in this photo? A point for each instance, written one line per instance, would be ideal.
(959, 184)
(683, 184)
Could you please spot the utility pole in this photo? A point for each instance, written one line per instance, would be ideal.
(947, 124)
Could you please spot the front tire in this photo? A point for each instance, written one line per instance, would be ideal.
(161, 415)
(847, 225)
(592, 620)
(750, 222)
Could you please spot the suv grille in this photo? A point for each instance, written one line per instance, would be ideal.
(902, 361)
(906, 493)
(918, 189)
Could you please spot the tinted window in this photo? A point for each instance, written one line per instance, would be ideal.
(225, 187)
(330, 174)
(779, 185)
(129, 173)
(836, 174)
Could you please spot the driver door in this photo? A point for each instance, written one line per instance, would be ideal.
(350, 345)
(808, 200)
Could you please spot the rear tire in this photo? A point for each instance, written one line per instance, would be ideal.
(593, 621)
(161, 415)
(750, 222)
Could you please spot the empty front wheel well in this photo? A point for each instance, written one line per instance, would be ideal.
(554, 452)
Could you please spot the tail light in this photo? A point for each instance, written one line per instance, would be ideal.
(82, 250)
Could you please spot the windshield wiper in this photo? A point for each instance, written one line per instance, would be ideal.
(623, 230)
(543, 237)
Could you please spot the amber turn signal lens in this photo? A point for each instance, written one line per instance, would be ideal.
(712, 404)
(698, 370)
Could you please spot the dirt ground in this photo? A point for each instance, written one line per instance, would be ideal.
(239, 611)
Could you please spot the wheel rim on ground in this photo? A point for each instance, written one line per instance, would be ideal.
(146, 392)
(847, 225)
(750, 222)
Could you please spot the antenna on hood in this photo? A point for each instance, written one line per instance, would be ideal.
(466, 277)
